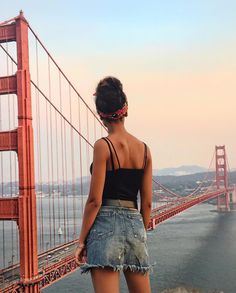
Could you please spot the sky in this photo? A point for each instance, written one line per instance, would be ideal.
(176, 60)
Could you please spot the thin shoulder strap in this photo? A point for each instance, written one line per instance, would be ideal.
(112, 161)
(145, 156)
(114, 151)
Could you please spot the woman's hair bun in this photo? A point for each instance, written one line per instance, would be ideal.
(109, 95)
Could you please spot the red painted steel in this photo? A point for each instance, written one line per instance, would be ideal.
(172, 211)
(57, 271)
(9, 208)
(8, 140)
(7, 33)
(222, 178)
(8, 85)
(27, 197)
(47, 276)
(22, 141)
(15, 288)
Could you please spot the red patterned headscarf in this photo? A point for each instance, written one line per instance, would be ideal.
(115, 115)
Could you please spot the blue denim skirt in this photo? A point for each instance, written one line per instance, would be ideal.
(117, 240)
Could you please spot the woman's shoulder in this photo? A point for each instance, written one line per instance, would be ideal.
(100, 144)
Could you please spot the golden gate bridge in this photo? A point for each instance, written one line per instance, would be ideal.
(47, 132)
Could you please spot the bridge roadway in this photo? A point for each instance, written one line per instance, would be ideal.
(169, 210)
(60, 261)
(11, 275)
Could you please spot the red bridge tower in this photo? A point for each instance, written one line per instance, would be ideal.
(222, 178)
(22, 208)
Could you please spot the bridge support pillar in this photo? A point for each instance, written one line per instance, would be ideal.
(25, 149)
(23, 208)
(233, 199)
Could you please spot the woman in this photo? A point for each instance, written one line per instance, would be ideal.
(113, 233)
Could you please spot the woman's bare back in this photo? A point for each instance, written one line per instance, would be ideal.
(130, 151)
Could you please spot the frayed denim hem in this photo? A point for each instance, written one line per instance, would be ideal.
(117, 268)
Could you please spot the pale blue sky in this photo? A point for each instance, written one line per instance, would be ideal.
(175, 58)
(123, 25)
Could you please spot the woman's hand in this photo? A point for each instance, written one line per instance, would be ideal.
(80, 254)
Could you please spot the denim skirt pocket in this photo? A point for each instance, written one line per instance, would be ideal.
(137, 225)
(103, 227)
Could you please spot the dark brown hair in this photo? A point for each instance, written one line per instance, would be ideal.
(109, 96)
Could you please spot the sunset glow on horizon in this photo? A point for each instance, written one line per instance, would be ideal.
(176, 60)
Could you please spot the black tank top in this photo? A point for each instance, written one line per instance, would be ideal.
(122, 183)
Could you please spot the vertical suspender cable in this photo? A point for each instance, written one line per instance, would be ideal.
(81, 164)
(37, 163)
(2, 192)
(88, 138)
(39, 151)
(9, 128)
(52, 166)
(66, 233)
(101, 130)
(58, 183)
(10, 160)
(87, 146)
(2, 185)
(72, 161)
(13, 180)
(49, 175)
(15, 175)
(49, 241)
(95, 132)
(62, 163)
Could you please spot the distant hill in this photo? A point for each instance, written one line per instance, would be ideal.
(179, 171)
(181, 184)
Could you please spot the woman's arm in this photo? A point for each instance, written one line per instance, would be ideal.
(146, 191)
(94, 200)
